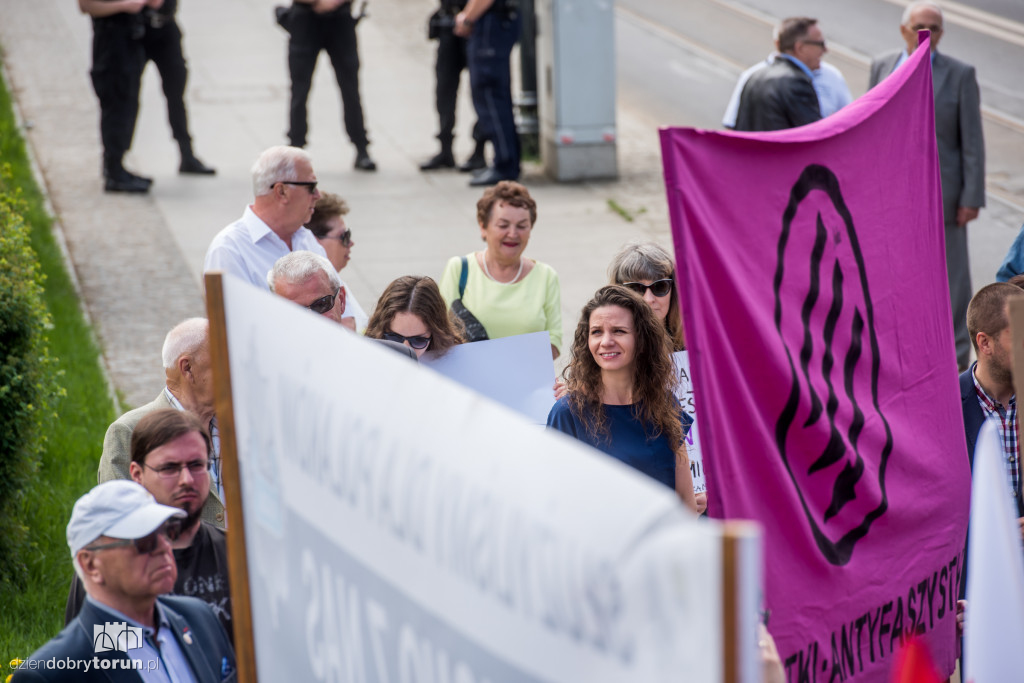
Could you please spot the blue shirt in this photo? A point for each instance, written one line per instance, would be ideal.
(627, 439)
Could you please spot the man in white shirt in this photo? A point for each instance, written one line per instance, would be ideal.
(284, 187)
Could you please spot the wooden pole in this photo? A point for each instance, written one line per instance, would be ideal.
(740, 569)
(238, 564)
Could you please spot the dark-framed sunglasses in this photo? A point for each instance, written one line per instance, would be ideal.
(345, 238)
(323, 304)
(171, 530)
(417, 342)
(659, 288)
(308, 184)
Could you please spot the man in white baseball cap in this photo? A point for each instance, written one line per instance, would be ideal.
(128, 630)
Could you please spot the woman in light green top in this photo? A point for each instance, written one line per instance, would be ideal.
(507, 293)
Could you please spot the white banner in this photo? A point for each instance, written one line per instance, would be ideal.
(684, 392)
(517, 372)
(401, 528)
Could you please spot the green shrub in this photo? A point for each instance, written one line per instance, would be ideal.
(28, 374)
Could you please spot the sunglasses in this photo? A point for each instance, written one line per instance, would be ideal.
(659, 288)
(170, 530)
(308, 184)
(417, 342)
(323, 304)
(345, 238)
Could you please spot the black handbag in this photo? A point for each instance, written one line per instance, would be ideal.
(475, 330)
(439, 21)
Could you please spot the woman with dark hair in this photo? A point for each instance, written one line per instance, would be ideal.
(506, 293)
(411, 311)
(619, 385)
(650, 271)
(328, 226)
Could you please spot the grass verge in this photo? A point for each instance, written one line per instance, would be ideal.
(32, 613)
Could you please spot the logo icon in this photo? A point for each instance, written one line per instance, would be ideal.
(832, 435)
(116, 635)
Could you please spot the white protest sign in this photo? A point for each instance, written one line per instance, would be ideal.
(684, 392)
(401, 528)
(515, 371)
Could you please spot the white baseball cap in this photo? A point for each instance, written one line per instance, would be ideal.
(118, 509)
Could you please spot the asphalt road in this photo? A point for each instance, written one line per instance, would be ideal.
(678, 62)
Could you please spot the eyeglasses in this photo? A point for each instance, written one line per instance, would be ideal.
(417, 342)
(345, 238)
(659, 288)
(308, 184)
(817, 43)
(323, 304)
(170, 530)
(923, 27)
(173, 470)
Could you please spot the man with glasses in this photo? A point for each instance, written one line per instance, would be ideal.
(188, 387)
(171, 458)
(782, 95)
(310, 281)
(961, 148)
(128, 628)
(285, 190)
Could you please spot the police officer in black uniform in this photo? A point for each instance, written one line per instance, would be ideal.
(316, 25)
(162, 44)
(492, 27)
(451, 60)
(117, 61)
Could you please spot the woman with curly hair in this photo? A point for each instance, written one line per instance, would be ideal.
(619, 385)
(647, 269)
(411, 311)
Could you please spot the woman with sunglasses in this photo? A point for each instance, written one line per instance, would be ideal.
(619, 396)
(650, 271)
(411, 311)
(328, 226)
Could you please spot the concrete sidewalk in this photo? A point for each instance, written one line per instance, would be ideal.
(139, 259)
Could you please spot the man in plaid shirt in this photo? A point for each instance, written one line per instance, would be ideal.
(986, 388)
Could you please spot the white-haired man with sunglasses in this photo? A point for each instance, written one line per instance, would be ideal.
(285, 190)
(129, 630)
(310, 281)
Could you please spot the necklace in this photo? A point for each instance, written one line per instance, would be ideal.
(483, 257)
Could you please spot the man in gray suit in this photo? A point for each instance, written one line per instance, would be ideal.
(189, 386)
(961, 153)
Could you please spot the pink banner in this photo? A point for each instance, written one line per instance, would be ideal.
(813, 284)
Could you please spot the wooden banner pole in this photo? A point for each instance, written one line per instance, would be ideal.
(238, 565)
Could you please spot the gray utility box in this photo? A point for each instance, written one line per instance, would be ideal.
(576, 74)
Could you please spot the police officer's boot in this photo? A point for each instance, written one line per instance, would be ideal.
(117, 179)
(190, 164)
(476, 161)
(443, 159)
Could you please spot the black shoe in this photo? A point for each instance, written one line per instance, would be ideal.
(489, 176)
(440, 160)
(364, 162)
(126, 182)
(193, 166)
(474, 163)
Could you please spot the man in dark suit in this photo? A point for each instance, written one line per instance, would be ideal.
(961, 148)
(120, 540)
(781, 95)
(986, 388)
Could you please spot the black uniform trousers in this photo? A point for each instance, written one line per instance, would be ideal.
(334, 32)
(451, 60)
(489, 49)
(163, 48)
(117, 62)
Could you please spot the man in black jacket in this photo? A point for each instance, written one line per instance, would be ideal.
(782, 95)
(120, 540)
(170, 452)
